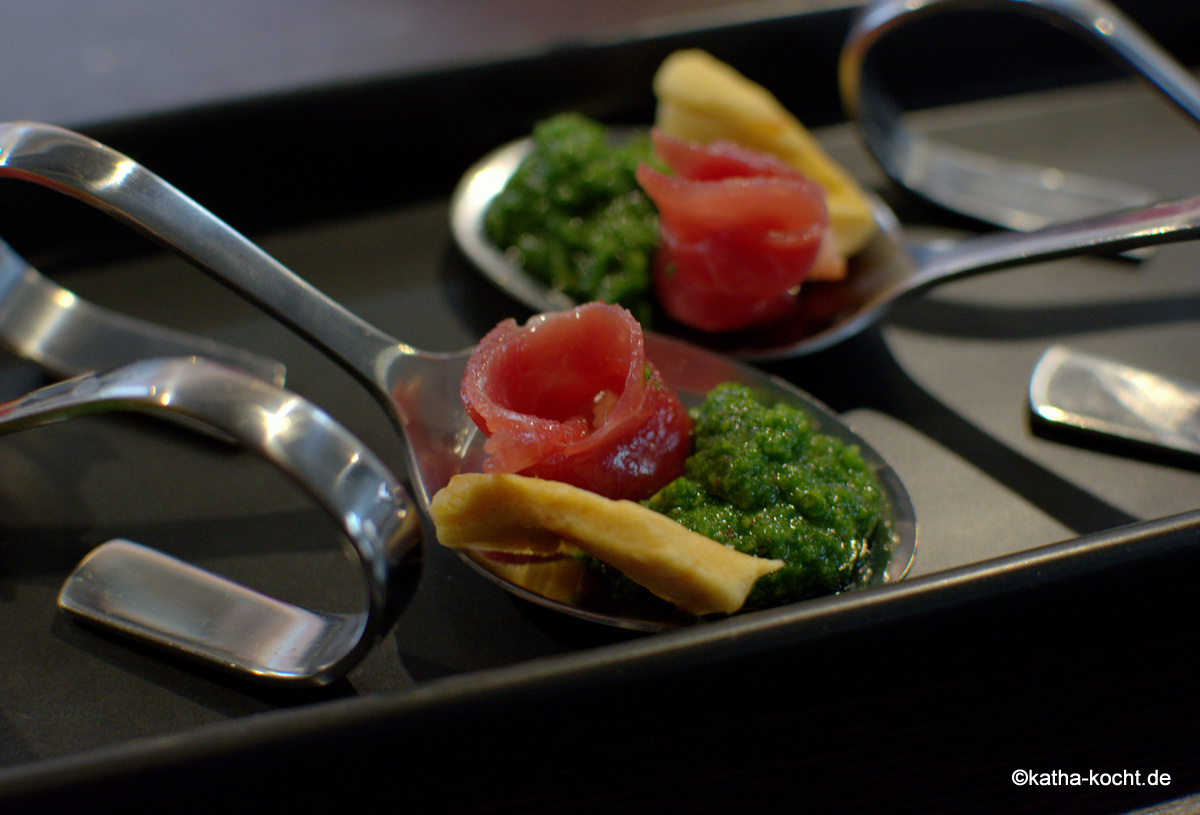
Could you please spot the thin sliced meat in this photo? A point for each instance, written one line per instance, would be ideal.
(719, 159)
(740, 232)
(571, 397)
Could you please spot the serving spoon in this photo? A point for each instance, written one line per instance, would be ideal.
(418, 390)
(147, 595)
(889, 269)
(995, 189)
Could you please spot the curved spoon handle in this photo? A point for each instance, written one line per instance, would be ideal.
(999, 191)
(148, 595)
(68, 162)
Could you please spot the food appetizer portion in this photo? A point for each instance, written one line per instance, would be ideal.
(716, 218)
(570, 396)
(574, 216)
(739, 232)
(732, 505)
(702, 99)
(528, 517)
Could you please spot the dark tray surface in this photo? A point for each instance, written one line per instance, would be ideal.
(1081, 658)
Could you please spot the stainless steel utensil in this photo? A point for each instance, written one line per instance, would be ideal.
(1102, 396)
(890, 268)
(68, 336)
(1004, 192)
(148, 595)
(418, 390)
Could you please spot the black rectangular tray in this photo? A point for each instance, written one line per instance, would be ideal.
(1048, 624)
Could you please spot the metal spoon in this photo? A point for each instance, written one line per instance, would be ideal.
(1001, 191)
(148, 595)
(418, 390)
(889, 269)
(1100, 396)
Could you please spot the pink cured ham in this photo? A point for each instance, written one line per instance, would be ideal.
(571, 397)
(719, 160)
(740, 231)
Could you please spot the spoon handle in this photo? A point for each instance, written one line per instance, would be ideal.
(71, 163)
(1102, 396)
(999, 190)
(1170, 222)
(149, 596)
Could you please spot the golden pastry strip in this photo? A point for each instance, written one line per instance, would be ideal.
(516, 513)
(701, 99)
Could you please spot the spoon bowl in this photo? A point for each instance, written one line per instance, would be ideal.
(419, 390)
(888, 270)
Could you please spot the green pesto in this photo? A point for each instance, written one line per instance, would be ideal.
(574, 216)
(763, 480)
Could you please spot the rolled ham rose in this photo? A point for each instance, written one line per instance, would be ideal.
(571, 397)
(740, 231)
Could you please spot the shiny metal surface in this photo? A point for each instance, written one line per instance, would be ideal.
(1100, 395)
(148, 595)
(68, 336)
(998, 190)
(418, 390)
(888, 269)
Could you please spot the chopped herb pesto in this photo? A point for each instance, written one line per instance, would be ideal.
(574, 216)
(763, 480)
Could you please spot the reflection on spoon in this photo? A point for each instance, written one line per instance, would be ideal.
(889, 269)
(419, 390)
